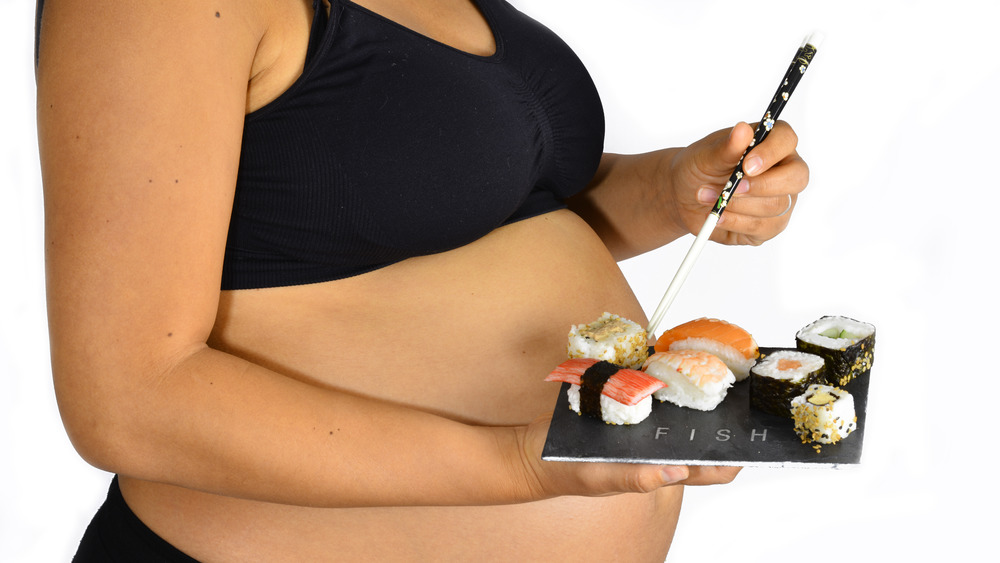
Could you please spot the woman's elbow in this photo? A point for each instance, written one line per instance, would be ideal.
(102, 423)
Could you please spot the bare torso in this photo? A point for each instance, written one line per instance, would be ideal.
(467, 334)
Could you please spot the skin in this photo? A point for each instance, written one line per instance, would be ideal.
(242, 426)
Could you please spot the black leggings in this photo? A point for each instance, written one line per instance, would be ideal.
(117, 534)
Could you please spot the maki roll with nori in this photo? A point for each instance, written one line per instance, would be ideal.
(847, 345)
(824, 414)
(782, 375)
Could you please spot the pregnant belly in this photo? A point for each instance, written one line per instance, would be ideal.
(469, 334)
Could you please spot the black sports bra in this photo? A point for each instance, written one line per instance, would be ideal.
(392, 145)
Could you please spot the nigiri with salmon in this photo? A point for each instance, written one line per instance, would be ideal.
(730, 343)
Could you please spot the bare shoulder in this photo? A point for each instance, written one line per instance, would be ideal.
(107, 25)
(141, 108)
(114, 50)
(140, 115)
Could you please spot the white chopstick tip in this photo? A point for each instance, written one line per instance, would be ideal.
(682, 272)
(815, 39)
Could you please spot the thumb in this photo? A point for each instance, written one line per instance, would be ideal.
(732, 149)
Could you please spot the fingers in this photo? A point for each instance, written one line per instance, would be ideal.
(772, 166)
(764, 198)
(788, 176)
(546, 479)
(739, 229)
(775, 175)
(739, 139)
(764, 207)
(603, 479)
(711, 475)
(618, 478)
(753, 220)
(779, 144)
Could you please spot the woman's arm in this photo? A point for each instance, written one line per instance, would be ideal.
(641, 202)
(140, 112)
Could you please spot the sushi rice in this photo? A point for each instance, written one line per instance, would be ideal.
(695, 379)
(610, 338)
(624, 398)
(780, 376)
(724, 340)
(847, 345)
(824, 414)
(613, 412)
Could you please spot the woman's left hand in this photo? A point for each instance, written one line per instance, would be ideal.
(640, 202)
(764, 198)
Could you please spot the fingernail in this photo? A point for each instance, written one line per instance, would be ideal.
(707, 195)
(743, 187)
(753, 165)
(674, 473)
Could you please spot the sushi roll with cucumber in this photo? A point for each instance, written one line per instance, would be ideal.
(695, 379)
(610, 338)
(782, 375)
(847, 345)
(824, 414)
(605, 391)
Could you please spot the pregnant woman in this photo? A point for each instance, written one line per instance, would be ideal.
(309, 263)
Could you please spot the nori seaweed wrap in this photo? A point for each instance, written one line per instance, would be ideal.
(847, 345)
(782, 375)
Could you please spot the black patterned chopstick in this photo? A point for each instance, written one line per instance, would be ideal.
(791, 79)
(793, 75)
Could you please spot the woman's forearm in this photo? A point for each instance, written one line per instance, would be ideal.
(627, 207)
(216, 423)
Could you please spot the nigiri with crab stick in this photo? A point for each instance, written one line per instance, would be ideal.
(606, 391)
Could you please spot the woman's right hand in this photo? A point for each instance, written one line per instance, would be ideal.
(555, 478)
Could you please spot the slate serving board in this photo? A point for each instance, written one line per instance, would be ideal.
(732, 434)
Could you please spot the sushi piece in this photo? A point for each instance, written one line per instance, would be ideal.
(605, 391)
(610, 338)
(730, 343)
(847, 345)
(780, 376)
(694, 379)
(824, 414)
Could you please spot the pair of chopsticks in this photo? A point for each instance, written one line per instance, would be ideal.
(793, 75)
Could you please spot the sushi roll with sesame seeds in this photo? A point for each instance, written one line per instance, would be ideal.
(610, 338)
(782, 375)
(823, 415)
(847, 346)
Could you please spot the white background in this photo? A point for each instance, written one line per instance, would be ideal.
(898, 120)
